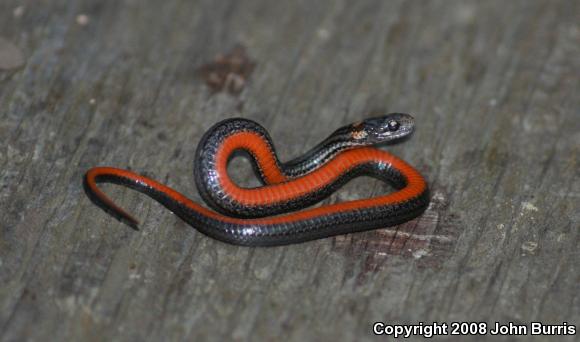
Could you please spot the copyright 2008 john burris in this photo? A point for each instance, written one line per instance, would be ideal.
(473, 329)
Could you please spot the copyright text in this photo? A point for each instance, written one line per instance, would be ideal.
(472, 329)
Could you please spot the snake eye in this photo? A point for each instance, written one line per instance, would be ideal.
(393, 125)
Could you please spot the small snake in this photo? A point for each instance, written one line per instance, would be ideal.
(266, 215)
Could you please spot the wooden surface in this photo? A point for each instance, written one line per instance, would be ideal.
(494, 87)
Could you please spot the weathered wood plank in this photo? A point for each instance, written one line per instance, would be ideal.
(494, 87)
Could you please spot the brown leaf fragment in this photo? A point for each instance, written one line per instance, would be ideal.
(228, 72)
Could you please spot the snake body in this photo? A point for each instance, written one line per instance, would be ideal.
(266, 215)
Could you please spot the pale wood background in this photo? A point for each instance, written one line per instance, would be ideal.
(495, 89)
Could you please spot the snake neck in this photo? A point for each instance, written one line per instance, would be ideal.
(318, 155)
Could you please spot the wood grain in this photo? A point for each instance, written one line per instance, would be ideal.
(494, 87)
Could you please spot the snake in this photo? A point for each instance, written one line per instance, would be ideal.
(282, 209)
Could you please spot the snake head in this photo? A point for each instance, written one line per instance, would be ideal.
(382, 129)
